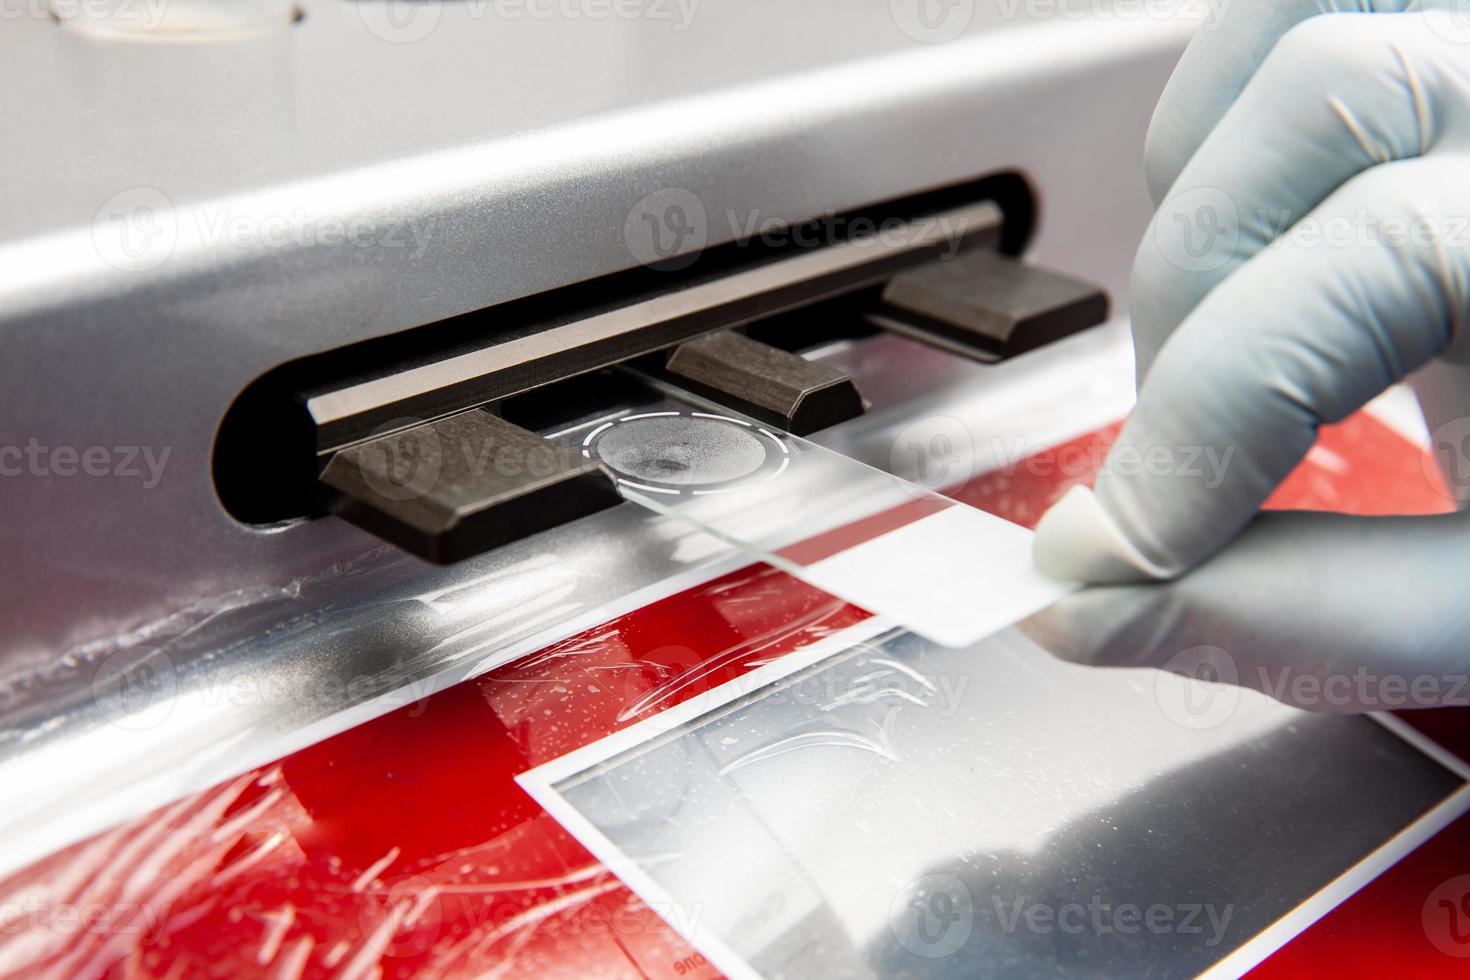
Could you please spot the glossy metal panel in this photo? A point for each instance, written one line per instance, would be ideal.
(486, 159)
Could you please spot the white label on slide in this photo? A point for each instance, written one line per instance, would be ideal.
(953, 577)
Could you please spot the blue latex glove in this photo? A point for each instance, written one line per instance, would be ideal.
(1312, 248)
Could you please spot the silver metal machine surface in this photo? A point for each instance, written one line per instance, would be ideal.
(259, 284)
(186, 216)
(189, 216)
(241, 274)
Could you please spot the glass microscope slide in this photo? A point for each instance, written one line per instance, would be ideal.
(947, 571)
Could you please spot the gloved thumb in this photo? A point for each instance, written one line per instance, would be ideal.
(1327, 612)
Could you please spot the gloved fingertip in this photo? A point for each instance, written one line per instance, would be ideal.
(1077, 541)
(1163, 158)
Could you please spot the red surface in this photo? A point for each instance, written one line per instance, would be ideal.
(1412, 922)
(839, 539)
(404, 848)
(1359, 466)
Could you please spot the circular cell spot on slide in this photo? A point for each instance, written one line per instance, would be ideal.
(685, 452)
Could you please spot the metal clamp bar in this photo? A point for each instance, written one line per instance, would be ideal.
(353, 412)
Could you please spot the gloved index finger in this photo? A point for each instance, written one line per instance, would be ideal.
(1339, 96)
(1301, 335)
(1234, 40)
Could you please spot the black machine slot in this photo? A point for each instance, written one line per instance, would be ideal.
(350, 431)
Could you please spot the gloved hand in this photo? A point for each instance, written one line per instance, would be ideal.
(1311, 249)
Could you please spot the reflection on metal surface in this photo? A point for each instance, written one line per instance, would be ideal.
(985, 812)
(254, 682)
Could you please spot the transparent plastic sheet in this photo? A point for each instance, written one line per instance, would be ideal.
(402, 845)
(890, 807)
(188, 696)
(947, 571)
(496, 887)
(207, 693)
